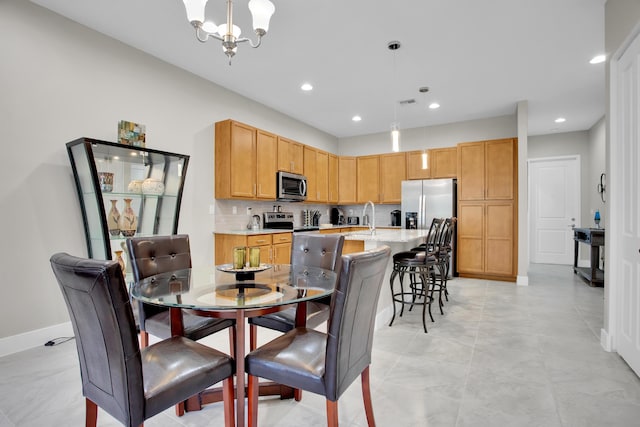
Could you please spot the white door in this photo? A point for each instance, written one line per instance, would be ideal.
(625, 200)
(554, 207)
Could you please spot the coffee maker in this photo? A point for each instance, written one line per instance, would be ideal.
(411, 219)
(337, 216)
(396, 218)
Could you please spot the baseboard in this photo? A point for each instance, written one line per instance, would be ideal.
(522, 281)
(584, 263)
(383, 317)
(31, 339)
(605, 341)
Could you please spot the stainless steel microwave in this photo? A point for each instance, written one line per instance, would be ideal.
(291, 187)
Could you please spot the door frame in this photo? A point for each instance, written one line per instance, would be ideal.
(575, 157)
(613, 243)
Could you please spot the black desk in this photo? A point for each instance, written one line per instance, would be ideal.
(594, 237)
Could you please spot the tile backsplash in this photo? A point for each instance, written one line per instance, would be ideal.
(233, 214)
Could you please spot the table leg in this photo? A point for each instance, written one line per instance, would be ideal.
(240, 350)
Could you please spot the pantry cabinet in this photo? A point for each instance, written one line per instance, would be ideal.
(487, 209)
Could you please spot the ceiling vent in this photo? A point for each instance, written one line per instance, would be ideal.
(408, 101)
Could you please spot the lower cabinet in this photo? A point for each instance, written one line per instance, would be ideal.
(486, 243)
(274, 248)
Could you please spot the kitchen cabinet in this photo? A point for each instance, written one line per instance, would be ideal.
(347, 180)
(316, 170)
(487, 209)
(275, 248)
(368, 179)
(157, 207)
(245, 162)
(414, 165)
(290, 156)
(444, 162)
(393, 170)
(332, 179)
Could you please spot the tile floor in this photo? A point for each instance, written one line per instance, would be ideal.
(500, 356)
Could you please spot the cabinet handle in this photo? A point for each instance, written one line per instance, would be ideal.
(271, 255)
(260, 241)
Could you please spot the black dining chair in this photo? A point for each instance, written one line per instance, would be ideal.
(129, 383)
(313, 250)
(327, 363)
(159, 254)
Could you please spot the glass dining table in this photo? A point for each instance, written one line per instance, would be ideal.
(224, 292)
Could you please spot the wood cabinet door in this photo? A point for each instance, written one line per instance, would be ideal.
(290, 155)
(444, 162)
(471, 171)
(322, 176)
(367, 179)
(500, 164)
(415, 165)
(346, 180)
(243, 160)
(267, 164)
(499, 238)
(470, 246)
(282, 253)
(311, 173)
(224, 244)
(393, 170)
(332, 179)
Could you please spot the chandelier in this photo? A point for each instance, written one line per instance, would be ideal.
(229, 34)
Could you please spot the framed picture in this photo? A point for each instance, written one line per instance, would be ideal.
(130, 133)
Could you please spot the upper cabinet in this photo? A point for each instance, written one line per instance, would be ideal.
(393, 170)
(290, 156)
(418, 165)
(486, 170)
(347, 178)
(125, 191)
(471, 166)
(332, 170)
(444, 162)
(367, 179)
(245, 162)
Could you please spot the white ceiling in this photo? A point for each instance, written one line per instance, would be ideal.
(479, 58)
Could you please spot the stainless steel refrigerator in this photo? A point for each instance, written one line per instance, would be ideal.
(423, 200)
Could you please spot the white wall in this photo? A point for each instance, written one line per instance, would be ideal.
(60, 81)
(448, 135)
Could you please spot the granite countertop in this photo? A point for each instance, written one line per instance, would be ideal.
(394, 235)
(247, 232)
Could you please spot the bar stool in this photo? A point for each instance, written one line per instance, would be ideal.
(419, 265)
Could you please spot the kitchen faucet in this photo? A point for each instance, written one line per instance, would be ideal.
(372, 223)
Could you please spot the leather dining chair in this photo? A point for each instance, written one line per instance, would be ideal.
(129, 383)
(159, 254)
(313, 250)
(327, 363)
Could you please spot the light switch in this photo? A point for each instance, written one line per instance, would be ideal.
(234, 210)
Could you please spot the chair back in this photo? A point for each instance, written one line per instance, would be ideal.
(106, 338)
(352, 318)
(446, 234)
(154, 255)
(317, 250)
(434, 233)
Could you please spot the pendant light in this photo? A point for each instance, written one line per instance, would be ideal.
(395, 127)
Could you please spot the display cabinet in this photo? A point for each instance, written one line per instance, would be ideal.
(109, 175)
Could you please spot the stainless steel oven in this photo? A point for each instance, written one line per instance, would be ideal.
(291, 187)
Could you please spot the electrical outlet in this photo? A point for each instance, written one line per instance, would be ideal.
(234, 210)
(248, 211)
(212, 209)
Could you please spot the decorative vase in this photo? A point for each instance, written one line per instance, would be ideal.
(128, 220)
(152, 186)
(113, 219)
(121, 261)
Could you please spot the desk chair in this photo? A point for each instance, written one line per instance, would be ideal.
(313, 250)
(327, 364)
(159, 254)
(130, 384)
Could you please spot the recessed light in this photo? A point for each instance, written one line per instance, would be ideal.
(434, 105)
(356, 118)
(560, 120)
(598, 59)
(306, 87)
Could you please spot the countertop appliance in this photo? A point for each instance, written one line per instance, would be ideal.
(337, 216)
(396, 218)
(423, 200)
(353, 220)
(291, 187)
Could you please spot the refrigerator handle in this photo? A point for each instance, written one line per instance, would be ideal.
(419, 225)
